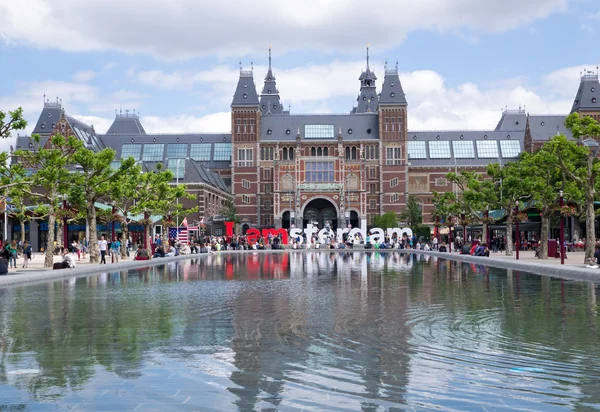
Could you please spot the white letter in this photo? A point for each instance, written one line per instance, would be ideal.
(296, 233)
(377, 233)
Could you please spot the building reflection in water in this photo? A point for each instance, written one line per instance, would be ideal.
(286, 330)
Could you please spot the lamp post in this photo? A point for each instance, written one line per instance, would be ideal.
(517, 227)
(177, 177)
(590, 215)
(112, 231)
(487, 226)
(562, 229)
(464, 225)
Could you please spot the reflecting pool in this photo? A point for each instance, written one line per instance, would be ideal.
(301, 331)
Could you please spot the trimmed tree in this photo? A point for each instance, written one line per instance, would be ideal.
(95, 177)
(579, 164)
(51, 177)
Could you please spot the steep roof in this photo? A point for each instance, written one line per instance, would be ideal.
(367, 98)
(270, 102)
(588, 94)
(48, 119)
(85, 133)
(128, 123)
(351, 126)
(391, 91)
(245, 91)
(512, 120)
(544, 126)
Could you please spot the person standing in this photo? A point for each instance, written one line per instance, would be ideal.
(115, 249)
(12, 257)
(103, 245)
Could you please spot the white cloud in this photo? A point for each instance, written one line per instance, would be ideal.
(84, 76)
(211, 123)
(185, 28)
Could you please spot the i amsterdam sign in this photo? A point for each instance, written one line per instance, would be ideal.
(320, 187)
(377, 235)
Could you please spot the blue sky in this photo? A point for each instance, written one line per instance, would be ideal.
(176, 62)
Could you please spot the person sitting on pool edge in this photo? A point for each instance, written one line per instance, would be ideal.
(482, 250)
(68, 259)
(141, 254)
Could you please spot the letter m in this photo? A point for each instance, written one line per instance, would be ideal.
(275, 232)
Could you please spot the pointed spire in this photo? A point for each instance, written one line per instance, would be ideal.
(269, 57)
(367, 56)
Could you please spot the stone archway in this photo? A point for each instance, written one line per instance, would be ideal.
(320, 212)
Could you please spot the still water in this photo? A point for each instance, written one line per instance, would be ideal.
(301, 331)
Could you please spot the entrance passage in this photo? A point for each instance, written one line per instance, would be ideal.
(320, 213)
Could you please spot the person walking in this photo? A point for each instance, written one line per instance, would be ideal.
(103, 245)
(26, 254)
(115, 250)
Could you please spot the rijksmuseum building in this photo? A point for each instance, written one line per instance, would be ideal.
(284, 169)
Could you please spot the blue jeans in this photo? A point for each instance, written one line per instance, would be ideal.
(12, 261)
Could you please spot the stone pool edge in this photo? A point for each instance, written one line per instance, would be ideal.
(565, 272)
(552, 270)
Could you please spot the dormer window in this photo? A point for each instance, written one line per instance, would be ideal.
(269, 91)
(274, 106)
(392, 94)
(593, 100)
(264, 107)
(43, 125)
(269, 132)
(245, 84)
(245, 96)
(392, 84)
(542, 123)
(593, 90)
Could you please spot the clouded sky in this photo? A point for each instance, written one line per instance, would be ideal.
(176, 61)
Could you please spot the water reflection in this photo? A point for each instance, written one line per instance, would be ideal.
(316, 330)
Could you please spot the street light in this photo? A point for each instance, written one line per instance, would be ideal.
(517, 227)
(487, 226)
(562, 229)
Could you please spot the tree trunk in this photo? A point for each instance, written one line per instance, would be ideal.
(147, 243)
(590, 224)
(93, 249)
(484, 232)
(543, 248)
(22, 224)
(49, 254)
(125, 231)
(59, 233)
(509, 241)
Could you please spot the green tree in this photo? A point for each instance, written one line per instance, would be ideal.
(579, 164)
(229, 212)
(502, 190)
(155, 195)
(541, 175)
(386, 221)
(124, 194)
(94, 176)
(14, 121)
(51, 177)
(473, 197)
(413, 215)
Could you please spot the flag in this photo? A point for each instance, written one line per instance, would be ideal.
(179, 233)
(202, 221)
(184, 223)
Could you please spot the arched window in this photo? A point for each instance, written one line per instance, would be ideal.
(353, 153)
(319, 152)
(291, 154)
(347, 153)
(285, 153)
(313, 151)
(325, 152)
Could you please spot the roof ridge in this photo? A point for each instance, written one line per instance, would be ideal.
(457, 131)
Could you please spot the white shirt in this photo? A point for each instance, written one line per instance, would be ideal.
(70, 259)
(103, 245)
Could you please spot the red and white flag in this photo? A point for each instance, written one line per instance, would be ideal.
(184, 223)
